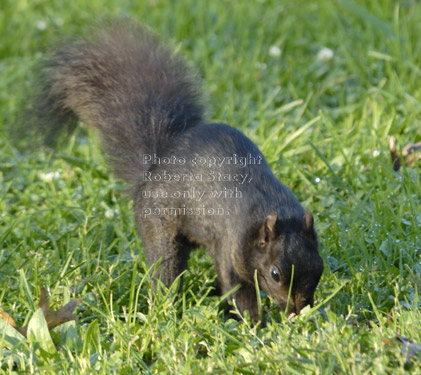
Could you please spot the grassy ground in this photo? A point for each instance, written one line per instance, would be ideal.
(323, 126)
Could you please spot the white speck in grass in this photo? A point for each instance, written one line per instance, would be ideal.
(317, 180)
(50, 176)
(109, 214)
(325, 54)
(274, 51)
(41, 25)
(59, 21)
(376, 153)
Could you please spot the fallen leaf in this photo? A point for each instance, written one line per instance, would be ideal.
(410, 157)
(53, 318)
(60, 316)
(387, 342)
(7, 318)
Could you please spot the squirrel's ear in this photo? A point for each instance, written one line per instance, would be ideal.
(308, 220)
(267, 231)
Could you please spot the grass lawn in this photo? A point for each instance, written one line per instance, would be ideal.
(322, 119)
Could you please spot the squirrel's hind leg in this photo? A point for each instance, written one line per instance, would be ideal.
(163, 244)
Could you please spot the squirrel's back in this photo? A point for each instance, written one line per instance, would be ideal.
(124, 82)
(143, 100)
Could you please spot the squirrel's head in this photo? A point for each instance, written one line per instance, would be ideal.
(285, 252)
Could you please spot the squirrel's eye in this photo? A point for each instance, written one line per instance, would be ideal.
(275, 274)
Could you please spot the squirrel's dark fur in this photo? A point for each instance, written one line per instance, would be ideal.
(193, 184)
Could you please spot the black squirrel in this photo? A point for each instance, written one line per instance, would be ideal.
(193, 184)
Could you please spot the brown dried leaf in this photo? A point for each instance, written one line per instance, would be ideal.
(409, 155)
(7, 318)
(387, 342)
(53, 318)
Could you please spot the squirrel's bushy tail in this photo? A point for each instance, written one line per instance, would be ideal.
(125, 83)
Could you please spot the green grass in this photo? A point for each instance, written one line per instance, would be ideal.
(324, 128)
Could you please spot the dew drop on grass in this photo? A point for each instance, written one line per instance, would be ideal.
(274, 51)
(325, 54)
(41, 25)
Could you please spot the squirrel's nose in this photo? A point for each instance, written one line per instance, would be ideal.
(298, 302)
